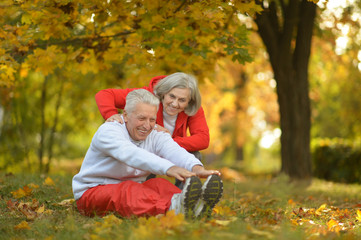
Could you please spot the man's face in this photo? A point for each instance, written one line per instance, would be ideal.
(141, 121)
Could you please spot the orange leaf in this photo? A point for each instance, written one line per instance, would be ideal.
(12, 205)
(22, 192)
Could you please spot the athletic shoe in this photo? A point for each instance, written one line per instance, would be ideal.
(185, 201)
(212, 191)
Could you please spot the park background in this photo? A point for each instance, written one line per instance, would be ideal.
(280, 84)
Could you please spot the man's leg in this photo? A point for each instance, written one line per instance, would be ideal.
(128, 198)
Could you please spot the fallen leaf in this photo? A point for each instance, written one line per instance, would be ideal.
(12, 205)
(358, 217)
(27, 211)
(66, 202)
(224, 211)
(49, 182)
(22, 225)
(22, 192)
(321, 209)
(40, 210)
(332, 225)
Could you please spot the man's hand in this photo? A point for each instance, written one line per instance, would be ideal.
(115, 118)
(203, 173)
(179, 173)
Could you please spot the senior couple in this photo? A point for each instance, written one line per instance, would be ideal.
(150, 137)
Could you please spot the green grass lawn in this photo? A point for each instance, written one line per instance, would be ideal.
(256, 207)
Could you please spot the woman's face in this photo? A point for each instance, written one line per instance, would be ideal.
(176, 100)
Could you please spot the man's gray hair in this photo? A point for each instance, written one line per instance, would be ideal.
(180, 80)
(140, 96)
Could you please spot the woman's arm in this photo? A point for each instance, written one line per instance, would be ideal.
(199, 133)
(110, 100)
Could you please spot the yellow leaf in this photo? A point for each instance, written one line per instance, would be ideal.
(223, 211)
(26, 18)
(358, 217)
(332, 225)
(49, 182)
(321, 209)
(40, 209)
(22, 225)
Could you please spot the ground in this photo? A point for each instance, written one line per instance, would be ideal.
(253, 207)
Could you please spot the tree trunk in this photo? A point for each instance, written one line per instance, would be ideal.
(43, 127)
(289, 49)
(53, 129)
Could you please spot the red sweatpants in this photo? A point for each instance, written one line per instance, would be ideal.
(128, 198)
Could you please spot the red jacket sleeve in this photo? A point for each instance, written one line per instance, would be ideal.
(199, 133)
(110, 100)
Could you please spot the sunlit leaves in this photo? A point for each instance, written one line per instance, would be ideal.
(46, 61)
(163, 26)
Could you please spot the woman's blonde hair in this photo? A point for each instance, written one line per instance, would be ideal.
(181, 80)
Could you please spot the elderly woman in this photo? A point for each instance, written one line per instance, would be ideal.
(180, 109)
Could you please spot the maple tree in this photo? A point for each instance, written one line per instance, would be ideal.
(90, 36)
(54, 47)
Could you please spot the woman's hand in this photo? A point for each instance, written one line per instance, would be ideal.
(161, 129)
(116, 118)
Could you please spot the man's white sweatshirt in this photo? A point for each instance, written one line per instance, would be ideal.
(114, 157)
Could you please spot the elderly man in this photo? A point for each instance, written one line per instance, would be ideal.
(113, 174)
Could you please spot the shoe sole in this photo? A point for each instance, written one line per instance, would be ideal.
(193, 188)
(212, 192)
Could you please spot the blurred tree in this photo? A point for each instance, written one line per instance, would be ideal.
(336, 68)
(286, 28)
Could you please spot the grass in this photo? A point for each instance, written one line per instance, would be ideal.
(257, 207)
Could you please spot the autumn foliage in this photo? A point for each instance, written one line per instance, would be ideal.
(92, 36)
